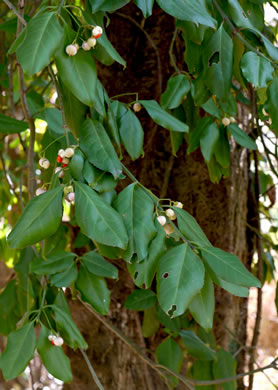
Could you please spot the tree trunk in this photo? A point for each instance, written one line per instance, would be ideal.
(221, 209)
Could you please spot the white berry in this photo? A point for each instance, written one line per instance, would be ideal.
(51, 337)
(71, 50)
(76, 46)
(40, 191)
(179, 205)
(58, 341)
(86, 46)
(232, 119)
(60, 172)
(70, 197)
(226, 121)
(137, 107)
(44, 163)
(97, 31)
(169, 229)
(171, 214)
(65, 160)
(61, 153)
(162, 220)
(69, 152)
(92, 42)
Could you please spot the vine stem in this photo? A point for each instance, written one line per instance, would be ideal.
(91, 369)
(12, 7)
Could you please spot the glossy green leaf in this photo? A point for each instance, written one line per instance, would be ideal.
(76, 165)
(65, 278)
(233, 289)
(97, 179)
(9, 315)
(212, 108)
(256, 69)
(162, 118)
(68, 329)
(132, 134)
(111, 126)
(53, 358)
(218, 54)
(200, 130)
(228, 267)
(180, 277)
(43, 36)
(202, 371)
(93, 290)
(225, 367)
(143, 272)
(20, 38)
(140, 300)
(19, 351)
(10, 125)
(177, 88)
(173, 324)
(209, 140)
(78, 73)
(107, 5)
(190, 228)
(222, 148)
(40, 219)
(196, 347)
(136, 208)
(97, 265)
(271, 103)
(96, 145)
(146, 6)
(150, 323)
(203, 304)
(195, 12)
(242, 138)
(55, 262)
(170, 354)
(97, 219)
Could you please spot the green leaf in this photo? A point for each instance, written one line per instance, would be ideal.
(191, 229)
(170, 354)
(196, 347)
(17, 42)
(218, 55)
(180, 277)
(65, 278)
(162, 118)
(187, 10)
(202, 305)
(212, 108)
(53, 358)
(55, 262)
(76, 165)
(228, 267)
(233, 289)
(98, 180)
(68, 329)
(140, 300)
(18, 352)
(97, 265)
(43, 36)
(136, 208)
(208, 141)
(96, 145)
(10, 125)
(225, 367)
(143, 272)
(8, 308)
(202, 371)
(146, 6)
(107, 5)
(93, 290)
(78, 73)
(200, 129)
(97, 219)
(177, 88)
(241, 138)
(173, 324)
(222, 148)
(132, 134)
(271, 103)
(40, 219)
(257, 70)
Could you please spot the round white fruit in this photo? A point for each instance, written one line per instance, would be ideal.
(71, 50)
(86, 46)
(69, 152)
(97, 31)
(92, 42)
(226, 121)
(44, 163)
(40, 191)
(162, 220)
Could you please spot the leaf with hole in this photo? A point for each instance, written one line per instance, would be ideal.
(180, 277)
(40, 219)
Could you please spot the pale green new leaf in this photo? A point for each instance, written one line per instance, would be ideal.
(256, 69)
(43, 36)
(162, 118)
(180, 277)
(97, 219)
(18, 352)
(40, 219)
(96, 145)
(136, 208)
(202, 305)
(177, 88)
(195, 11)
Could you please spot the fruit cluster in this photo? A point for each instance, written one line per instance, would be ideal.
(162, 219)
(56, 340)
(72, 49)
(227, 121)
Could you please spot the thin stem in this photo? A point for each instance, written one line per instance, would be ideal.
(125, 94)
(91, 369)
(171, 54)
(12, 7)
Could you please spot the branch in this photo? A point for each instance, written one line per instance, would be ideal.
(91, 369)
(12, 7)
